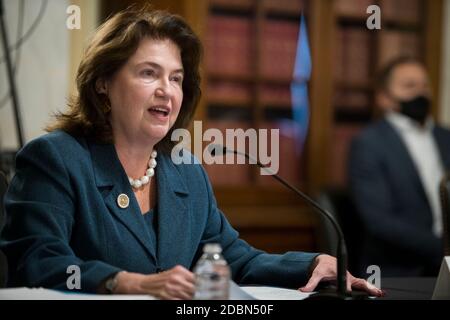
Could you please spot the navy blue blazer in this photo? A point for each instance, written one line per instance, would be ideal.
(392, 202)
(61, 210)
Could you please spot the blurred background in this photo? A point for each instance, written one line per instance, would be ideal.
(253, 63)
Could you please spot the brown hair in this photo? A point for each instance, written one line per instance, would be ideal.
(115, 41)
(384, 75)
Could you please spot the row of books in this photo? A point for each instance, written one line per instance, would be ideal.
(396, 43)
(290, 158)
(278, 48)
(231, 47)
(245, 174)
(228, 92)
(228, 174)
(352, 8)
(290, 155)
(352, 55)
(276, 95)
(351, 99)
(285, 6)
(409, 11)
(355, 52)
(359, 54)
(290, 166)
(289, 6)
(403, 11)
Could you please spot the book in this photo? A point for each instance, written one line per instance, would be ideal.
(284, 6)
(228, 45)
(290, 152)
(278, 48)
(351, 99)
(352, 8)
(352, 64)
(228, 92)
(394, 43)
(404, 11)
(275, 95)
(233, 4)
(228, 174)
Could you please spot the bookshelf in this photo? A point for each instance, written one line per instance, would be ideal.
(245, 86)
(250, 49)
(359, 53)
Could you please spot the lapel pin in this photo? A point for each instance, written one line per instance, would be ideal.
(123, 201)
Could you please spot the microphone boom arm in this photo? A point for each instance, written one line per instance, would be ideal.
(341, 254)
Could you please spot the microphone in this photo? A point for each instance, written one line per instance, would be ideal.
(341, 254)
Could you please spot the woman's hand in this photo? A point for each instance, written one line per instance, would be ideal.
(177, 283)
(324, 268)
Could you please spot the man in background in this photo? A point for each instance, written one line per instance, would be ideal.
(395, 167)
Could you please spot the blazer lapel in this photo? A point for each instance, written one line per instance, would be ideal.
(443, 145)
(174, 223)
(392, 137)
(112, 181)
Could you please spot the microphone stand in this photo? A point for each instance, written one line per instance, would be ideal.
(341, 292)
(12, 85)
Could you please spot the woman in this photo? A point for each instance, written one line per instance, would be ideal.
(100, 191)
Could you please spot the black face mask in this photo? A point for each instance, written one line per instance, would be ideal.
(416, 108)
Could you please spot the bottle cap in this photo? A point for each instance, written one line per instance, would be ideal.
(212, 248)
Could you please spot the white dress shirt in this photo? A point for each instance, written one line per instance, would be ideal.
(422, 148)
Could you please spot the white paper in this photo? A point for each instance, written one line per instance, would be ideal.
(442, 287)
(47, 294)
(236, 293)
(273, 293)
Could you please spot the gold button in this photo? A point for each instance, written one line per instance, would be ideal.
(123, 201)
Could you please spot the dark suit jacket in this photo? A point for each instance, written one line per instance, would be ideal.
(62, 210)
(391, 200)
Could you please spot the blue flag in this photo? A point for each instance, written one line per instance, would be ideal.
(299, 85)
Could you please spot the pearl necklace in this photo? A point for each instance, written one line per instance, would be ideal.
(137, 183)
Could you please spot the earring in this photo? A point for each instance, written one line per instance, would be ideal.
(106, 106)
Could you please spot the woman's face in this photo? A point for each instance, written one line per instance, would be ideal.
(146, 93)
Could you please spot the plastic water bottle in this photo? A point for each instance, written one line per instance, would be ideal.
(212, 274)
